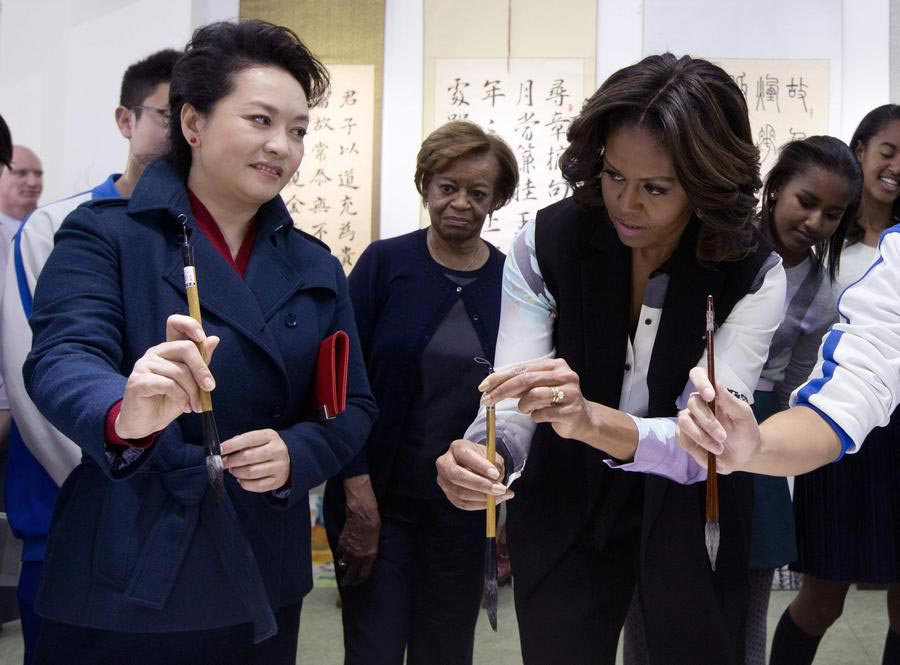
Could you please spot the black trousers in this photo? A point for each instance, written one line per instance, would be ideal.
(574, 615)
(424, 593)
(575, 612)
(233, 645)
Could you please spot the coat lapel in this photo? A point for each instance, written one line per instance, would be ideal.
(605, 275)
(223, 294)
(280, 264)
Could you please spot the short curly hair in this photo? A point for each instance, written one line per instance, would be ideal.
(460, 139)
(700, 115)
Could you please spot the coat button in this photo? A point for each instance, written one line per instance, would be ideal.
(290, 320)
(648, 321)
(459, 289)
(627, 367)
(275, 413)
(474, 317)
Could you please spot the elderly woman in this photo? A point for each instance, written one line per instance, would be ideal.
(145, 564)
(603, 316)
(427, 304)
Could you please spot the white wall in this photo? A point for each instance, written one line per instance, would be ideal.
(858, 49)
(61, 65)
(60, 69)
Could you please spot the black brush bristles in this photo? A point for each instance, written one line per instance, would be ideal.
(214, 466)
(489, 598)
(712, 542)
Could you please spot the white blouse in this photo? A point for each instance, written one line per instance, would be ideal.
(527, 315)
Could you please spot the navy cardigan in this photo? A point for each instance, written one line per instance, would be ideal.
(400, 296)
(146, 548)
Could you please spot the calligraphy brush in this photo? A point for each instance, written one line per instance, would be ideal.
(712, 479)
(489, 599)
(214, 467)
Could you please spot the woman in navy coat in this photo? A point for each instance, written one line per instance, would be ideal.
(143, 564)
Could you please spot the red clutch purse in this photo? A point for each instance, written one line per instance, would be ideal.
(330, 388)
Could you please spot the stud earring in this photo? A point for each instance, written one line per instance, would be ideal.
(193, 139)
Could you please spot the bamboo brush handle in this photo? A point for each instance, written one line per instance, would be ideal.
(712, 489)
(193, 298)
(491, 524)
(712, 480)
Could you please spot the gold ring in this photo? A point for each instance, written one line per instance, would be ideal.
(558, 395)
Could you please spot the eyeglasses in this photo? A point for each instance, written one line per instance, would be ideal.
(164, 115)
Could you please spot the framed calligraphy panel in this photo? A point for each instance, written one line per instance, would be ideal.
(530, 103)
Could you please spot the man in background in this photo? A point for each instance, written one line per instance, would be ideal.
(21, 184)
(20, 188)
(40, 457)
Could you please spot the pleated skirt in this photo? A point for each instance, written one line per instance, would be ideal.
(848, 513)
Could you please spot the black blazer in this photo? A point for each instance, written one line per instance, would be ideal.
(566, 488)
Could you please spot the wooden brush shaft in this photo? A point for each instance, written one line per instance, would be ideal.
(712, 489)
(193, 298)
(491, 453)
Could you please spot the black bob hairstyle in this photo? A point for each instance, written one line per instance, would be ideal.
(218, 51)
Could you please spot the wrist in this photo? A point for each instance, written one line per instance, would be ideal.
(595, 425)
(358, 491)
(611, 431)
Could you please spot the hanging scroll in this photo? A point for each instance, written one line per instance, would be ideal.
(330, 196)
(530, 104)
(787, 100)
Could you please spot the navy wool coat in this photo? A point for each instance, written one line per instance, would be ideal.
(145, 547)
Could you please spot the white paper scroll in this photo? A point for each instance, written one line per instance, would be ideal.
(330, 196)
(787, 100)
(530, 105)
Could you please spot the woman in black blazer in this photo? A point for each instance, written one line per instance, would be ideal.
(603, 317)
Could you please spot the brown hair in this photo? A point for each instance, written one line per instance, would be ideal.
(700, 115)
(460, 139)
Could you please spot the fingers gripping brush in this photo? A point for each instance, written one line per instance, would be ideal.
(712, 481)
(214, 467)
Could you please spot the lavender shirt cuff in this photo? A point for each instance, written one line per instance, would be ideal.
(658, 453)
